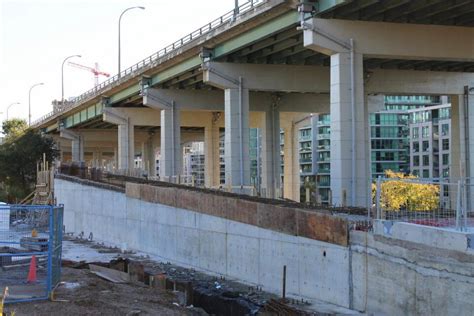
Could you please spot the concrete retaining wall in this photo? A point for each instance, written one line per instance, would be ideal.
(217, 244)
(243, 240)
(319, 225)
(399, 277)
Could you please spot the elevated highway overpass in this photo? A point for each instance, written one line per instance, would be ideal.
(267, 65)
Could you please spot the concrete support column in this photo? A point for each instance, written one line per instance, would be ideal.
(237, 161)
(115, 160)
(144, 155)
(77, 149)
(155, 144)
(457, 166)
(462, 143)
(469, 101)
(126, 145)
(171, 161)
(211, 152)
(291, 173)
(77, 144)
(97, 158)
(349, 176)
(458, 142)
(150, 163)
(271, 154)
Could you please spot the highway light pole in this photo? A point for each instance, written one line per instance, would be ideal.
(29, 101)
(8, 107)
(120, 20)
(62, 77)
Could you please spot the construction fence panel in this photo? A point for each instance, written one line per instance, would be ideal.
(442, 203)
(30, 251)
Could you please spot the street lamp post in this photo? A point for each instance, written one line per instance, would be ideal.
(62, 77)
(29, 101)
(8, 107)
(120, 19)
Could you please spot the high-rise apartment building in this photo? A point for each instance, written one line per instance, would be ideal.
(390, 138)
(389, 133)
(314, 157)
(194, 162)
(430, 141)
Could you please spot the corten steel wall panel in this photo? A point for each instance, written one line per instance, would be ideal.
(322, 227)
(281, 219)
(148, 194)
(166, 196)
(132, 190)
(187, 200)
(243, 211)
(288, 220)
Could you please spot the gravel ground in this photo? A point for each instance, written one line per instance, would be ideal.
(84, 293)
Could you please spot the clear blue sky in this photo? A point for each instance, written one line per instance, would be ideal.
(36, 35)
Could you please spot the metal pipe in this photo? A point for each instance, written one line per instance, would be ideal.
(29, 101)
(8, 107)
(353, 129)
(283, 295)
(120, 20)
(378, 194)
(173, 144)
(62, 77)
(466, 158)
(257, 180)
(241, 134)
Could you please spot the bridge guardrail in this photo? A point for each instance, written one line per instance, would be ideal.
(226, 18)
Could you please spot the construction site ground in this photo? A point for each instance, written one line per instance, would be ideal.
(84, 293)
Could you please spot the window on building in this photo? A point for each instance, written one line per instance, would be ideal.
(415, 132)
(446, 172)
(445, 129)
(445, 144)
(445, 113)
(426, 160)
(426, 145)
(416, 147)
(416, 172)
(416, 161)
(426, 173)
(445, 159)
(425, 131)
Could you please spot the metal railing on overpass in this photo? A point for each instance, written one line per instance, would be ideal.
(155, 59)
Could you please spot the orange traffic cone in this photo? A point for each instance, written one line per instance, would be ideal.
(32, 272)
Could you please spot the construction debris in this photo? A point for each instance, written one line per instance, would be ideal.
(110, 274)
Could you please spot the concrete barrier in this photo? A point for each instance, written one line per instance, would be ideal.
(430, 236)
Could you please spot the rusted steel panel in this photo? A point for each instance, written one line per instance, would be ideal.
(166, 196)
(322, 227)
(187, 200)
(288, 220)
(132, 190)
(147, 193)
(277, 218)
(242, 211)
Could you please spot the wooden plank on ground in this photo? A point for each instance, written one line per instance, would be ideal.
(111, 275)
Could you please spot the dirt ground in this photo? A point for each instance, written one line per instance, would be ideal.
(84, 293)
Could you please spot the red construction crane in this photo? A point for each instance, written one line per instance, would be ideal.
(94, 70)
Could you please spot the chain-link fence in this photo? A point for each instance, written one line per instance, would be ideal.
(30, 250)
(442, 203)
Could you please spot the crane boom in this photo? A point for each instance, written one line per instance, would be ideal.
(94, 70)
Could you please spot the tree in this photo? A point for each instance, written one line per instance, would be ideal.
(14, 128)
(19, 156)
(404, 193)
